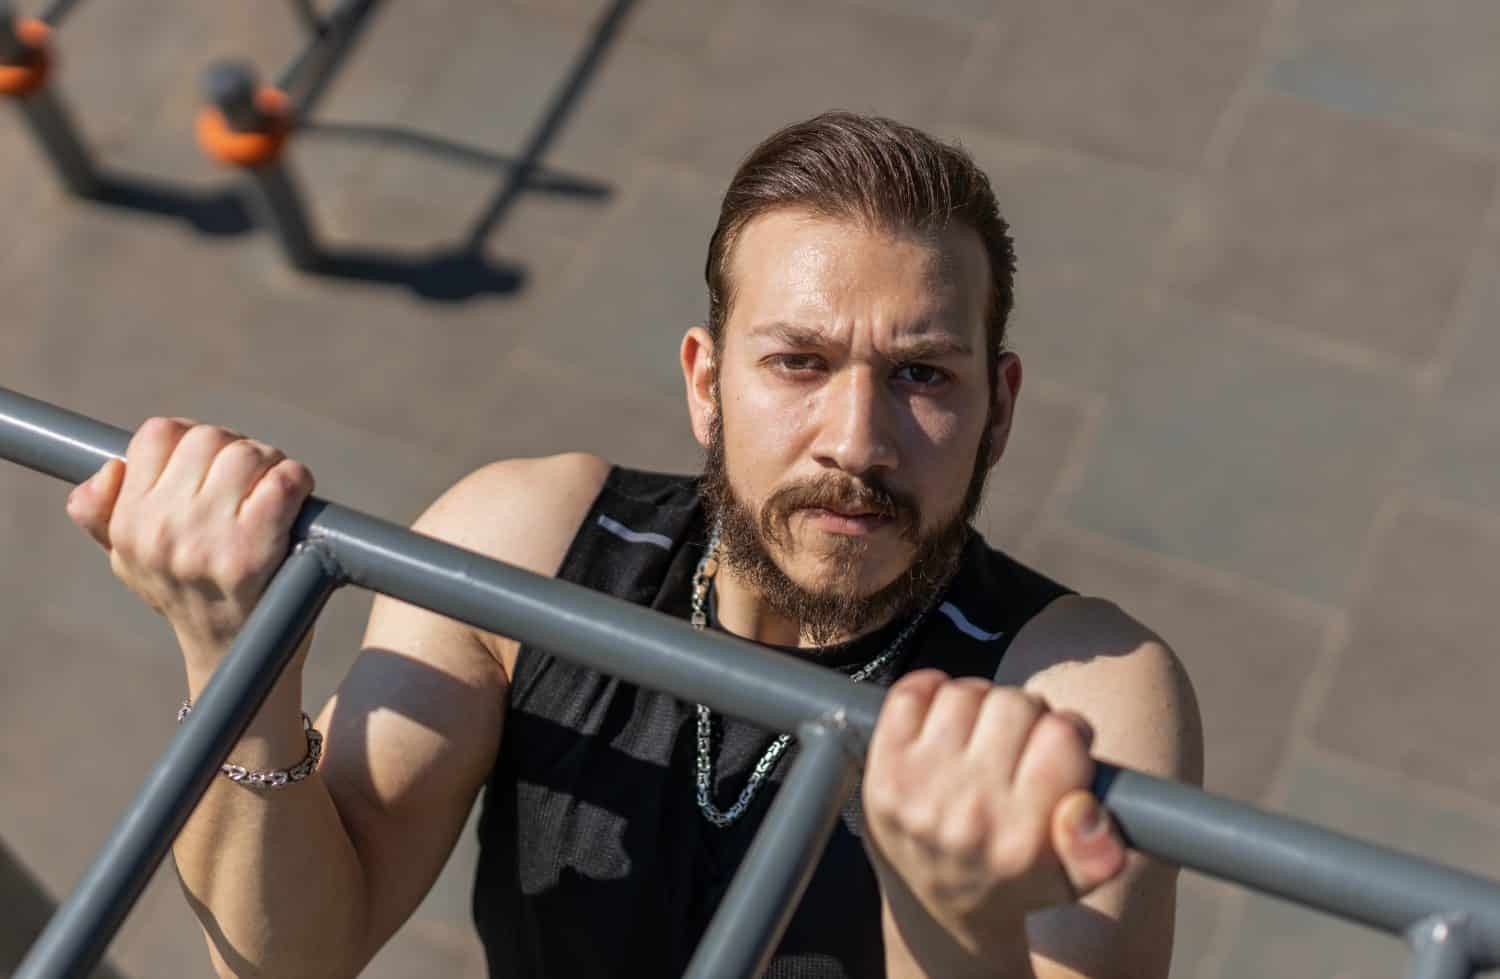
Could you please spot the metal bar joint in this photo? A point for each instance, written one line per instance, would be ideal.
(1442, 948)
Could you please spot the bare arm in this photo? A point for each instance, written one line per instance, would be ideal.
(1088, 656)
(312, 879)
(1127, 701)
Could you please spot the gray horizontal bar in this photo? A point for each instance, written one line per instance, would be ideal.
(1177, 823)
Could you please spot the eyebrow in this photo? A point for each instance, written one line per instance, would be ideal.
(917, 346)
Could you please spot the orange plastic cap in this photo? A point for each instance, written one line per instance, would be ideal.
(27, 78)
(228, 146)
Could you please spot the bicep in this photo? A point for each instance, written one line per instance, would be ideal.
(1136, 695)
(412, 734)
(413, 731)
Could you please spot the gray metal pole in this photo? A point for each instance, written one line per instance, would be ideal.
(78, 934)
(45, 115)
(1440, 949)
(1288, 858)
(306, 77)
(771, 879)
(308, 14)
(273, 197)
(1180, 824)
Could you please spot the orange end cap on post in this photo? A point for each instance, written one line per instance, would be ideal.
(24, 79)
(233, 148)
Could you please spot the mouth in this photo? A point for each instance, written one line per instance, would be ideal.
(853, 522)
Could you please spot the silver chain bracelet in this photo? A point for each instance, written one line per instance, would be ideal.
(276, 778)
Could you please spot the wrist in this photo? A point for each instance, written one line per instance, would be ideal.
(919, 945)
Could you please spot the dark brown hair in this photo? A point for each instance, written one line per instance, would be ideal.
(865, 168)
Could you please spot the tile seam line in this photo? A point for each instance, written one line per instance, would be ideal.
(1223, 582)
(1395, 781)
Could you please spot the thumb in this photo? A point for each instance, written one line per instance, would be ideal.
(1086, 842)
(92, 502)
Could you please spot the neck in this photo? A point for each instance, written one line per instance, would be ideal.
(743, 612)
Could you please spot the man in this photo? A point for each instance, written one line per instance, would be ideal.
(852, 389)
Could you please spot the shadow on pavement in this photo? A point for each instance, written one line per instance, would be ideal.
(24, 910)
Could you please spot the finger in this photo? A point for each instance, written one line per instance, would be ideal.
(277, 498)
(1054, 761)
(147, 454)
(92, 502)
(236, 470)
(904, 710)
(1086, 842)
(188, 466)
(1085, 729)
(949, 723)
(1005, 722)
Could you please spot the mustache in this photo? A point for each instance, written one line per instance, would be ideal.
(834, 492)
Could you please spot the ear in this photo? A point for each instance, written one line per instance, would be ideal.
(1003, 404)
(698, 367)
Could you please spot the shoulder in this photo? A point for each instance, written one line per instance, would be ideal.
(520, 511)
(524, 512)
(1086, 654)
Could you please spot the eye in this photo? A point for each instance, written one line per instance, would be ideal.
(923, 375)
(795, 363)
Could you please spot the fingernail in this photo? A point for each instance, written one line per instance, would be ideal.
(1090, 821)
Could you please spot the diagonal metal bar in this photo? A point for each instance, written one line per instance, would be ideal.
(309, 73)
(1376, 886)
(75, 939)
(771, 879)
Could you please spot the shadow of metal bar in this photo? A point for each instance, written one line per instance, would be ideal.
(530, 159)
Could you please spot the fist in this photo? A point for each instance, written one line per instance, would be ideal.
(195, 521)
(977, 798)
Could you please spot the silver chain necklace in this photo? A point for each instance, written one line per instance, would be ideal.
(708, 566)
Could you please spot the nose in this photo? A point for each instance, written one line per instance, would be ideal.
(856, 433)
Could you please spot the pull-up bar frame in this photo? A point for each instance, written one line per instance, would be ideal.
(1452, 918)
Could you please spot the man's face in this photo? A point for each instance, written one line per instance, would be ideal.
(853, 419)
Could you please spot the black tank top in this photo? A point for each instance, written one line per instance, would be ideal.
(594, 859)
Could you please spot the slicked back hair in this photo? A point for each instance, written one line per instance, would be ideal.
(887, 176)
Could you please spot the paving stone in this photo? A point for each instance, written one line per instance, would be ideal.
(1224, 448)
(1202, 904)
(780, 62)
(1454, 455)
(1082, 281)
(681, 29)
(492, 94)
(1278, 939)
(1141, 82)
(1231, 640)
(641, 286)
(1345, 228)
(971, 15)
(1432, 67)
(1418, 647)
(1043, 438)
(119, 61)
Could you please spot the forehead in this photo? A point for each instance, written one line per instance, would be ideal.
(798, 266)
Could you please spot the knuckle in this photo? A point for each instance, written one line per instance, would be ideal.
(192, 560)
(1014, 705)
(964, 828)
(156, 430)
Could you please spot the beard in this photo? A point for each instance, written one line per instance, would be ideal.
(833, 608)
